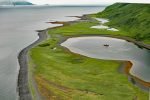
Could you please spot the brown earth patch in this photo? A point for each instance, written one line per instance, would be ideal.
(127, 71)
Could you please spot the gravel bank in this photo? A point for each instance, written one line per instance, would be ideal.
(23, 86)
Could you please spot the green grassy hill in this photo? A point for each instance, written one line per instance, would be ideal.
(132, 18)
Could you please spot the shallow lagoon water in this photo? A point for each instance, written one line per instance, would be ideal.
(100, 27)
(112, 29)
(118, 49)
(18, 27)
(102, 21)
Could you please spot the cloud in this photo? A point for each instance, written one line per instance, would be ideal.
(85, 1)
(61, 2)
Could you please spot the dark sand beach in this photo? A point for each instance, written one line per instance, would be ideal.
(23, 86)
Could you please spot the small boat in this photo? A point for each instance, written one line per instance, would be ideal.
(106, 45)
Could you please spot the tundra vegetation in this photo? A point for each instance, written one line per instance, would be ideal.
(62, 75)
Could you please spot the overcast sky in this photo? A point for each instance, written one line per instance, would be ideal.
(85, 1)
(81, 2)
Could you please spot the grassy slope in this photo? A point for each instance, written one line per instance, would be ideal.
(83, 28)
(131, 18)
(63, 75)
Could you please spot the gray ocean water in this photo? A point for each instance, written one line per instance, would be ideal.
(17, 30)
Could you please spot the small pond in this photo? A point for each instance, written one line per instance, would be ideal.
(116, 49)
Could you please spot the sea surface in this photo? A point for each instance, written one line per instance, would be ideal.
(18, 27)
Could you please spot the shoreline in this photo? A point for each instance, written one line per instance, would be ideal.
(124, 68)
(23, 77)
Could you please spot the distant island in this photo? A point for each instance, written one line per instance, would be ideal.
(22, 3)
(15, 3)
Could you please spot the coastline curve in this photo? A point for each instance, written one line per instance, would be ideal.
(23, 86)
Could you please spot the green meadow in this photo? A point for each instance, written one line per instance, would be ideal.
(62, 75)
